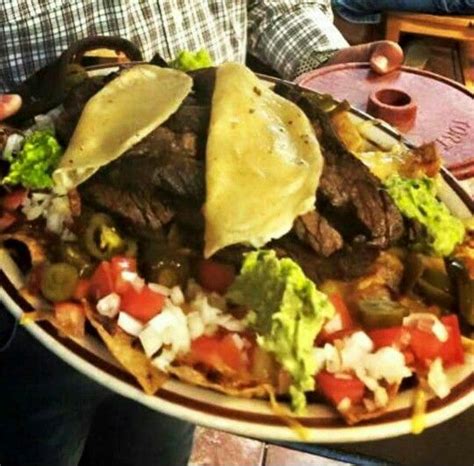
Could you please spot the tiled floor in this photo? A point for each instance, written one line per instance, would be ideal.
(215, 448)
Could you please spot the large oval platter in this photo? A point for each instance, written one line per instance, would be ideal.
(255, 418)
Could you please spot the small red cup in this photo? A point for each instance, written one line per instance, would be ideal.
(394, 106)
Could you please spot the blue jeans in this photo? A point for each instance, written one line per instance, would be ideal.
(51, 415)
(369, 11)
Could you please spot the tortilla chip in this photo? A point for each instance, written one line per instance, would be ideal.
(359, 413)
(263, 162)
(132, 359)
(121, 114)
(193, 376)
(32, 240)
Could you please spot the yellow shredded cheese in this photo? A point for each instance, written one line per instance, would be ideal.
(418, 420)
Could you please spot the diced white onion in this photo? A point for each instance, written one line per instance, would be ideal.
(230, 323)
(334, 324)
(176, 296)
(196, 325)
(172, 328)
(440, 331)
(164, 359)
(132, 277)
(13, 145)
(55, 209)
(344, 404)
(157, 288)
(356, 347)
(109, 305)
(129, 324)
(380, 397)
(151, 340)
(333, 358)
(437, 379)
(387, 363)
(428, 323)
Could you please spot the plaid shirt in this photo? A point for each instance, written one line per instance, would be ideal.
(293, 36)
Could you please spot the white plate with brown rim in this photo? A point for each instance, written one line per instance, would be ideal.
(255, 418)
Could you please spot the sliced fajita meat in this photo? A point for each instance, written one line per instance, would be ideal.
(362, 209)
(313, 229)
(138, 208)
(156, 164)
(165, 141)
(75, 102)
(346, 264)
(190, 118)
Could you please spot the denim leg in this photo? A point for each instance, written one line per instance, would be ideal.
(359, 9)
(45, 406)
(125, 433)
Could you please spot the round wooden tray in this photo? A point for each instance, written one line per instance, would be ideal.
(445, 108)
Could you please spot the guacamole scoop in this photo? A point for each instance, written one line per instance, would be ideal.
(287, 312)
(416, 199)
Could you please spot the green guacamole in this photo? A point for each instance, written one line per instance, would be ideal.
(33, 166)
(287, 313)
(416, 199)
(189, 61)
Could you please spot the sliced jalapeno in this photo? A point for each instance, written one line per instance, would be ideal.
(378, 313)
(74, 255)
(464, 288)
(101, 238)
(59, 281)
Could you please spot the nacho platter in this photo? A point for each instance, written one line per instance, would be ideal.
(255, 417)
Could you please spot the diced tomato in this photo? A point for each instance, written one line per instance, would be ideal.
(143, 304)
(7, 219)
(409, 357)
(82, 289)
(332, 337)
(452, 352)
(118, 265)
(425, 346)
(390, 336)
(70, 317)
(342, 310)
(336, 389)
(215, 276)
(102, 282)
(346, 321)
(13, 200)
(121, 263)
(219, 352)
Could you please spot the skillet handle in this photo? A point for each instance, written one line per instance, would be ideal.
(47, 87)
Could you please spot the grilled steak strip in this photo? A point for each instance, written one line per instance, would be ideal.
(345, 264)
(165, 141)
(146, 167)
(139, 209)
(190, 118)
(348, 185)
(313, 229)
(74, 104)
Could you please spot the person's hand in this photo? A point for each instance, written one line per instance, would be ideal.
(384, 56)
(9, 104)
